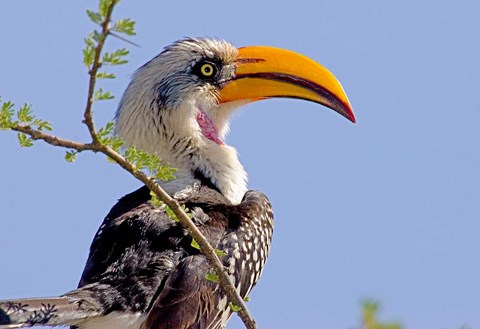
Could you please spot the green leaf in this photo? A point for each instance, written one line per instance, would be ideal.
(171, 214)
(97, 36)
(370, 309)
(88, 56)
(24, 114)
(164, 172)
(212, 277)
(24, 140)
(246, 299)
(89, 51)
(42, 124)
(220, 253)
(116, 143)
(94, 16)
(144, 160)
(115, 58)
(101, 95)
(71, 156)
(104, 5)
(155, 200)
(187, 211)
(25, 117)
(105, 75)
(159, 203)
(6, 115)
(125, 26)
(107, 130)
(195, 244)
(234, 307)
(105, 137)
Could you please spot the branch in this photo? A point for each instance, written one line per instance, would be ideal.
(54, 140)
(205, 247)
(209, 252)
(98, 145)
(88, 119)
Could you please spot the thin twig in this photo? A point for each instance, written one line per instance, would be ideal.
(124, 39)
(54, 140)
(88, 118)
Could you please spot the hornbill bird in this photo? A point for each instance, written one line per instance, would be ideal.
(142, 270)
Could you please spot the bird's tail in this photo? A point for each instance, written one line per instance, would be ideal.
(50, 311)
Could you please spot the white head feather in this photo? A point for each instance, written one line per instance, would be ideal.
(158, 114)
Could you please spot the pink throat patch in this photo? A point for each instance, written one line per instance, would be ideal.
(208, 128)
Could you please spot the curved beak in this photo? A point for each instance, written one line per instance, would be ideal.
(267, 72)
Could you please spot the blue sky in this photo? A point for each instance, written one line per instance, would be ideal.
(388, 208)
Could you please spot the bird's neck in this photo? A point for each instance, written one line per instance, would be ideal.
(183, 137)
(183, 145)
(207, 163)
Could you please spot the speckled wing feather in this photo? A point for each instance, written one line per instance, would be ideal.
(188, 300)
(143, 271)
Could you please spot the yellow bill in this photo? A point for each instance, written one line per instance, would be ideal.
(266, 72)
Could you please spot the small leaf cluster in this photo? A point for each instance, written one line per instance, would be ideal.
(160, 204)
(103, 6)
(234, 307)
(115, 58)
(212, 277)
(172, 214)
(370, 320)
(91, 52)
(25, 118)
(125, 26)
(148, 161)
(106, 137)
(155, 200)
(140, 159)
(219, 252)
(101, 95)
(6, 115)
(71, 156)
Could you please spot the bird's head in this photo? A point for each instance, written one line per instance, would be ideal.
(178, 104)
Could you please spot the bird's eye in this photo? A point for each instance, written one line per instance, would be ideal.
(206, 70)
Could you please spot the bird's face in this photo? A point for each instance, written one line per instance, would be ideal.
(199, 70)
(178, 104)
(195, 83)
(176, 95)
